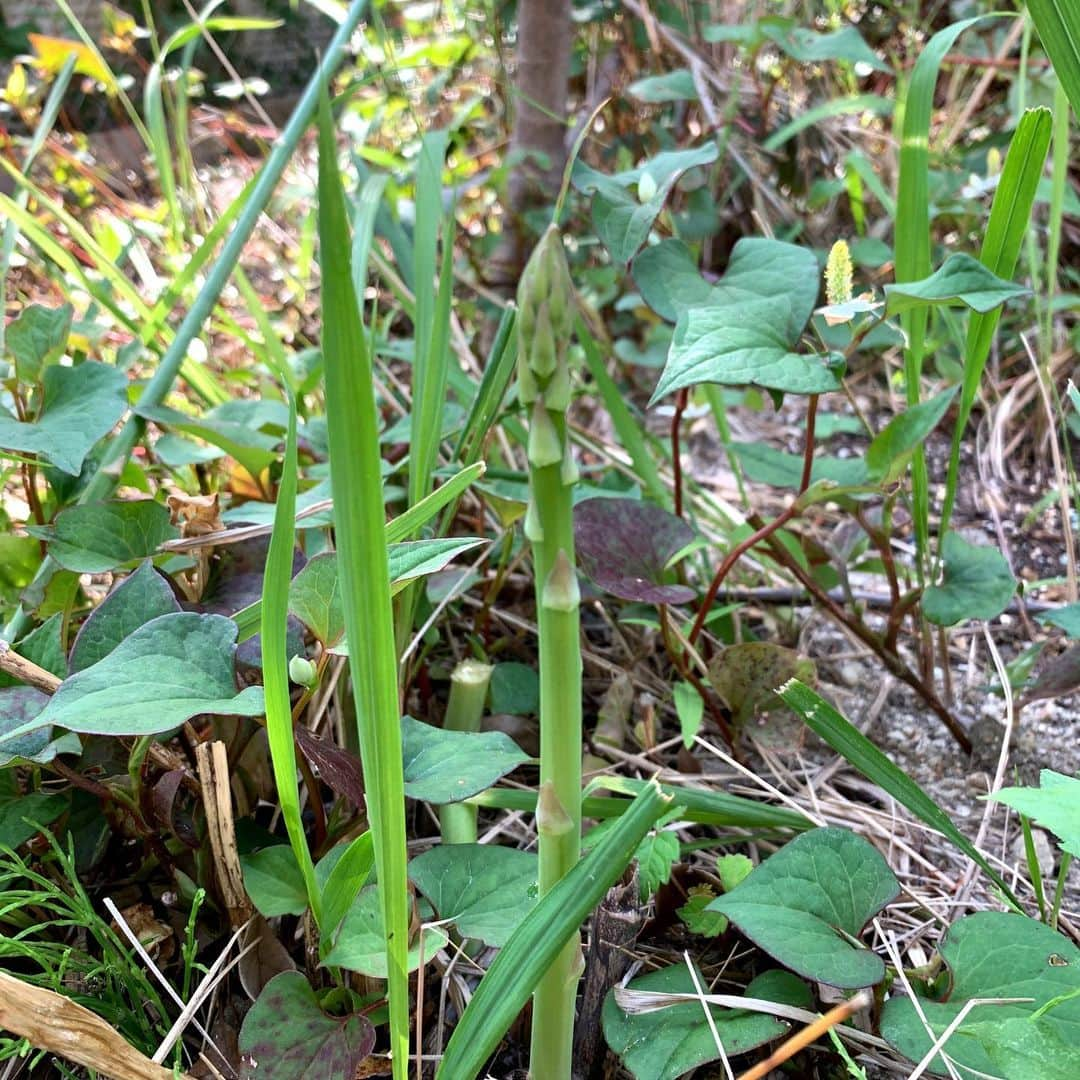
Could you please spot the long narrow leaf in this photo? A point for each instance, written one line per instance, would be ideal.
(912, 239)
(533, 946)
(356, 482)
(1010, 216)
(275, 660)
(1058, 23)
(859, 752)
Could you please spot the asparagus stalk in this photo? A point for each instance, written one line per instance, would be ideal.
(546, 305)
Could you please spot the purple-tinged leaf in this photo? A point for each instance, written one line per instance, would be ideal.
(337, 768)
(624, 546)
(287, 1036)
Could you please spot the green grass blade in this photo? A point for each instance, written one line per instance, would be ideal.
(275, 660)
(247, 619)
(700, 806)
(356, 482)
(859, 752)
(498, 371)
(912, 240)
(532, 948)
(119, 450)
(49, 113)
(628, 427)
(1058, 23)
(1010, 216)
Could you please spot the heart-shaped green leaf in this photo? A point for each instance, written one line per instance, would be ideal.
(287, 1036)
(274, 882)
(960, 280)
(669, 280)
(994, 954)
(140, 597)
(625, 546)
(97, 537)
(172, 668)
(676, 85)
(976, 584)
(803, 904)
(668, 1043)
(360, 944)
(623, 218)
(1054, 804)
(37, 338)
(766, 465)
(484, 889)
(81, 405)
(448, 766)
(20, 815)
(741, 344)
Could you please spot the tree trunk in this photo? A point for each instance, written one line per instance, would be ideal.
(538, 141)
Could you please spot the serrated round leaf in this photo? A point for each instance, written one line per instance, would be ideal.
(81, 405)
(793, 904)
(20, 706)
(976, 584)
(624, 546)
(668, 1043)
(993, 954)
(448, 766)
(274, 882)
(97, 537)
(484, 889)
(961, 280)
(172, 668)
(360, 944)
(140, 597)
(287, 1036)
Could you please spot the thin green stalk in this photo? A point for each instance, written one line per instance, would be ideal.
(1034, 869)
(545, 301)
(1059, 892)
(277, 576)
(119, 450)
(468, 689)
(356, 482)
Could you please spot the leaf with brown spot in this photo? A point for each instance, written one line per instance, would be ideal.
(746, 675)
(287, 1036)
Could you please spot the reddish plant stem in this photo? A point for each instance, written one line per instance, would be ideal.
(765, 531)
(681, 399)
(686, 672)
(890, 659)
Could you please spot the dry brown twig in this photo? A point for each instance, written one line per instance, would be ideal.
(52, 1022)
